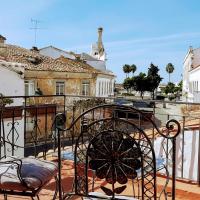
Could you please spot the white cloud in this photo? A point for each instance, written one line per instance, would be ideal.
(166, 38)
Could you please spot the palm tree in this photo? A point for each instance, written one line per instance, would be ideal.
(133, 68)
(169, 69)
(127, 69)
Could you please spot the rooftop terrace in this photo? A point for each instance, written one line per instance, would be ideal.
(31, 125)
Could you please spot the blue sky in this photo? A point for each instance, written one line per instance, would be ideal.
(135, 32)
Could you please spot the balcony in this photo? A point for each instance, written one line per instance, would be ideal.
(34, 129)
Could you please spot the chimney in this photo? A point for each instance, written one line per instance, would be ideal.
(2, 39)
(35, 49)
(100, 43)
(100, 31)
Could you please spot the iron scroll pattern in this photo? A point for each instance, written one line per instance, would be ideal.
(104, 118)
(117, 155)
(172, 130)
(114, 158)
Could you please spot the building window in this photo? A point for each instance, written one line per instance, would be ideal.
(60, 87)
(112, 87)
(195, 85)
(86, 88)
(108, 88)
(193, 88)
(102, 88)
(190, 86)
(99, 88)
(105, 85)
(29, 88)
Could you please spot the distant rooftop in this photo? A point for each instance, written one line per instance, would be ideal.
(37, 62)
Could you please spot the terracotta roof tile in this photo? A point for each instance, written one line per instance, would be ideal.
(78, 63)
(37, 62)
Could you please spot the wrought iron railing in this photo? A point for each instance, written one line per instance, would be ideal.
(28, 121)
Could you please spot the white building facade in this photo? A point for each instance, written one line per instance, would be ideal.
(12, 80)
(191, 76)
(55, 52)
(104, 86)
(12, 84)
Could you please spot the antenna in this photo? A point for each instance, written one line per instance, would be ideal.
(35, 27)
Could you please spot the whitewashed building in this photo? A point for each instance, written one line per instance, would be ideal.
(55, 52)
(11, 79)
(11, 75)
(191, 75)
(12, 84)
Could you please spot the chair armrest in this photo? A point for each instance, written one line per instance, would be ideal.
(11, 160)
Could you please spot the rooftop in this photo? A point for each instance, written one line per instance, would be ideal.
(37, 62)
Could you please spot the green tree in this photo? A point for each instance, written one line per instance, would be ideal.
(169, 69)
(133, 68)
(153, 79)
(140, 84)
(127, 84)
(4, 101)
(170, 88)
(178, 89)
(180, 85)
(127, 69)
(172, 91)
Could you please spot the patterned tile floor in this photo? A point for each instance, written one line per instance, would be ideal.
(184, 191)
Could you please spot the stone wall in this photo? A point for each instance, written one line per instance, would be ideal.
(46, 81)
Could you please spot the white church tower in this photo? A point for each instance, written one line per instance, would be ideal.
(98, 50)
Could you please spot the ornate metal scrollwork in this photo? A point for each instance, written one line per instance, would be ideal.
(173, 129)
(13, 136)
(115, 158)
(117, 151)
